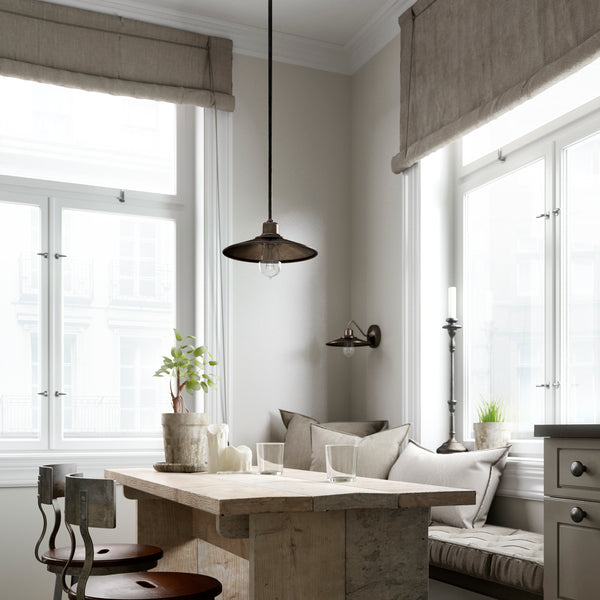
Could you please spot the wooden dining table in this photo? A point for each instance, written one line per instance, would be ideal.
(290, 537)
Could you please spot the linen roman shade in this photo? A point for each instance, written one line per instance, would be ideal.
(465, 61)
(106, 53)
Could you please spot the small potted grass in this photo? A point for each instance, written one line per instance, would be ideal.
(491, 430)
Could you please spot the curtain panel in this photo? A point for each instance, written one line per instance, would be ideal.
(464, 62)
(78, 48)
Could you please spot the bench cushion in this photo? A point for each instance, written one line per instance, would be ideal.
(511, 557)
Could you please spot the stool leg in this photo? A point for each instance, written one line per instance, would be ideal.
(57, 588)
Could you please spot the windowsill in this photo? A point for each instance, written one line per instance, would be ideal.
(21, 470)
(523, 475)
(523, 478)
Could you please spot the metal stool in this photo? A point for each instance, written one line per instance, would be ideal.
(91, 503)
(109, 558)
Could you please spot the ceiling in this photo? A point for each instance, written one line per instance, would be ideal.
(335, 35)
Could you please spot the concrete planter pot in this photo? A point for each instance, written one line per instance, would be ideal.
(184, 436)
(491, 435)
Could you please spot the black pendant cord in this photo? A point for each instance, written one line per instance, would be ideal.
(270, 110)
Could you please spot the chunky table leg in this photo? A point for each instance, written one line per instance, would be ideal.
(191, 543)
(297, 556)
(387, 554)
(340, 555)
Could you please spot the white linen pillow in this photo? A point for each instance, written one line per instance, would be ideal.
(376, 452)
(479, 470)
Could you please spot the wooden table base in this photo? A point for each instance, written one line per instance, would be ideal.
(358, 554)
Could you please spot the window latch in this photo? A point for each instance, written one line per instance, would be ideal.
(543, 385)
(57, 255)
(556, 385)
(44, 254)
(44, 393)
(544, 215)
(57, 394)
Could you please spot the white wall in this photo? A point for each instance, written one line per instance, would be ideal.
(376, 249)
(280, 326)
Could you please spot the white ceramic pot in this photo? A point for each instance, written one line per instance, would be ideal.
(491, 435)
(184, 436)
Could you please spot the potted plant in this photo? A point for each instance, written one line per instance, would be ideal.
(184, 432)
(491, 431)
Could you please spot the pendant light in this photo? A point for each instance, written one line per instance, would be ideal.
(269, 249)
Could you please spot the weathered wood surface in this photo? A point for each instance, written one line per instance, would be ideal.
(290, 537)
(294, 491)
(297, 556)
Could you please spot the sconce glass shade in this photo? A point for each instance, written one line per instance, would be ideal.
(349, 341)
(269, 246)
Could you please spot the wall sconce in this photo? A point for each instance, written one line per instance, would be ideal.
(349, 341)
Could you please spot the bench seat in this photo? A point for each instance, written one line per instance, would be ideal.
(497, 561)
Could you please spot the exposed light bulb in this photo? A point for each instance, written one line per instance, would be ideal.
(269, 269)
(269, 264)
(348, 350)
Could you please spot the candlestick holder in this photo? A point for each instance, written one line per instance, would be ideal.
(451, 445)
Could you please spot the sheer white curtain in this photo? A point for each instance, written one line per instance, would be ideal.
(213, 193)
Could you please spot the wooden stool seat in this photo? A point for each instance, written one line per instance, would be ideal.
(115, 558)
(150, 586)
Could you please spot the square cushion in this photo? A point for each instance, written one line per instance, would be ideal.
(479, 470)
(297, 453)
(376, 452)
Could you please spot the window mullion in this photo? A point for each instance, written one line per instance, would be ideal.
(45, 318)
(54, 309)
(558, 296)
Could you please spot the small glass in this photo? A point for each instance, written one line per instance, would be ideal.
(341, 462)
(269, 457)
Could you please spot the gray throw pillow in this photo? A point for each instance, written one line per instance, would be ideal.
(376, 452)
(479, 470)
(298, 449)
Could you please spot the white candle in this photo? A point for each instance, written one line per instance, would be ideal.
(452, 303)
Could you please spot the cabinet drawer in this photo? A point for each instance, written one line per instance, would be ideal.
(561, 478)
(571, 550)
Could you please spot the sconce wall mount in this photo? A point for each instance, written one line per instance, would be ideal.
(349, 341)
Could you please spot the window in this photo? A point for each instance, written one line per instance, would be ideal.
(531, 277)
(64, 134)
(91, 284)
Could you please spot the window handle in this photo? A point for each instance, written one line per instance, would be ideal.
(556, 385)
(44, 254)
(44, 393)
(58, 394)
(544, 385)
(57, 255)
(545, 215)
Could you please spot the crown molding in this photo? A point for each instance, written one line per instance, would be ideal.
(252, 41)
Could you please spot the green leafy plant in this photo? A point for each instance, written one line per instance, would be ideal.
(491, 411)
(187, 369)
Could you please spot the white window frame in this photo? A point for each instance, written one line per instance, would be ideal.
(547, 142)
(18, 464)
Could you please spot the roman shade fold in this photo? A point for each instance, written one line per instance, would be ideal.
(78, 48)
(466, 61)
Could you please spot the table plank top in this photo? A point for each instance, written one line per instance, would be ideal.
(294, 491)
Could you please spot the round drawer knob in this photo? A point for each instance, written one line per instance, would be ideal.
(578, 468)
(578, 514)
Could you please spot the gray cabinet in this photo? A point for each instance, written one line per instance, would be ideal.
(571, 514)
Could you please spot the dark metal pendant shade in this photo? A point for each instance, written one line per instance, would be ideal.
(269, 246)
